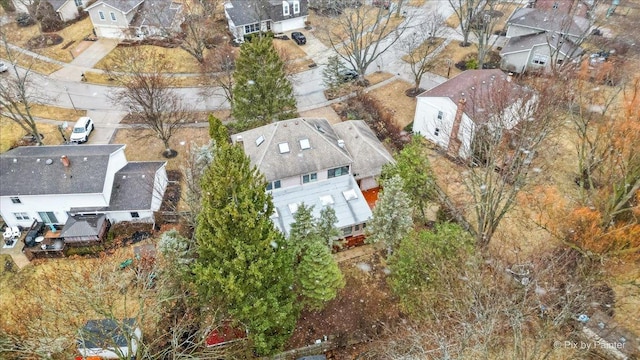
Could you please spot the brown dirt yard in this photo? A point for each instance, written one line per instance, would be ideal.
(392, 96)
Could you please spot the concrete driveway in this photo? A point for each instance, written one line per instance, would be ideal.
(86, 60)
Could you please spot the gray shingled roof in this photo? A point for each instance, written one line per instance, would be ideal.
(323, 154)
(243, 12)
(348, 212)
(527, 42)
(24, 170)
(83, 225)
(133, 186)
(368, 153)
(552, 21)
(123, 5)
(57, 4)
(158, 13)
(104, 334)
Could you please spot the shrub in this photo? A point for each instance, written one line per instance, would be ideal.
(471, 64)
(24, 20)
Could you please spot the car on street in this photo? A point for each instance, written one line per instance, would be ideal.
(3, 67)
(81, 130)
(346, 75)
(299, 38)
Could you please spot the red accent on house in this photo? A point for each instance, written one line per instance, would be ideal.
(371, 196)
(454, 141)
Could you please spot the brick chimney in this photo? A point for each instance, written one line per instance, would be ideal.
(454, 141)
(65, 160)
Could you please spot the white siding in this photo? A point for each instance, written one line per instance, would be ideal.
(289, 24)
(68, 11)
(159, 186)
(145, 216)
(58, 204)
(108, 28)
(117, 161)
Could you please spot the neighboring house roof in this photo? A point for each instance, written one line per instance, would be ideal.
(548, 20)
(133, 186)
(527, 42)
(576, 7)
(105, 333)
(83, 225)
(124, 6)
(23, 170)
(243, 12)
(157, 13)
(341, 193)
(57, 4)
(263, 146)
(368, 153)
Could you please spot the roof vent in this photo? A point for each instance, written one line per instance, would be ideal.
(304, 144)
(15, 160)
(320, 129)
(84, 159)
(239, 139)
(37, 160)
(65, 160)
(144, 176)
(49, 162)
(341, 143)
(259, 140)
(283, 147)
(326, 200)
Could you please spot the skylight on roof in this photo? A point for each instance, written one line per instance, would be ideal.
(326, 200)
(284, 147)
(259, 140)
(350, 194)
(304, 144)
(293, 207)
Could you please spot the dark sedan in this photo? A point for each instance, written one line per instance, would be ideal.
(299, 38)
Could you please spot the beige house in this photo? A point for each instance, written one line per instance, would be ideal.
(68, 9)
(134, 19)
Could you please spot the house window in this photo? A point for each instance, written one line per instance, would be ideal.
(346, 231)
(356, 227)
(285, 8)
(48, 217)
(16, 200)
(296, 7)
(113, 16)
(436, 132)
(101, 14)
(21, 216)
(540, 59)
(135, 215)
(440, 115)
(343, 170)
(248, 29)
(274, 185)
(78, 3)
(309, 178)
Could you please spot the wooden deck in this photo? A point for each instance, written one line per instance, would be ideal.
(371, 196)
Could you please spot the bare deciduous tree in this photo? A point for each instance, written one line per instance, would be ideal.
(18, 94)
(361, 35)
(483, 26)
(466, 11)
(418, 47)
(218, 69)
(146, 90)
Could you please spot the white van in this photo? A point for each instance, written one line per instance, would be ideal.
(81, 130)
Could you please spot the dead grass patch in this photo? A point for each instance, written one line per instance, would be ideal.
(451, 54)
(182, 62)
(290, 48)
(333, 27)
(402, 107)
(149, 148)
(326, 112)
(416, 3)
(11, 133)
(73, 33)
(29, 62)
(351, 87)
(56, 113)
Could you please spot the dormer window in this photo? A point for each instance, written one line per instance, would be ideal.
(296, 7)
(285, 8)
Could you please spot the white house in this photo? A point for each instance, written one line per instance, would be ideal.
(68, 9)
(449, 114)
(108, 339)
(52, 183)
(134, 19)
(312, 162)
(279, 16)
(537, 38)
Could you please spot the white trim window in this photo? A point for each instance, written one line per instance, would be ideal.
(307, 178)
(296, 7)
(251, 28)
(540, 60)
(78, 3)
(101, 14)
(285, 8)
(21, 216)
(113, 16)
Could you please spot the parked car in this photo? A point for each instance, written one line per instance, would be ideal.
(299, 38)
(81, 130)
(347, 75)
(3, 67)
(37, 229)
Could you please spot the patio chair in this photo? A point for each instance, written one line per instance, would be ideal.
(15, 232)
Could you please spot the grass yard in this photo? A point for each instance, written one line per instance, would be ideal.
(71, 35)
(141, 147)
(427, 45)
(182, 62)
(452, 53)
(29, 62)
(506, 8)
(11, 133)
(392, 96)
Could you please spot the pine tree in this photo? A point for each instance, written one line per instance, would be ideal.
(318, 275)
(243, 262)
(331, 73)
(392, 219)
(217, 131)
(262, 92)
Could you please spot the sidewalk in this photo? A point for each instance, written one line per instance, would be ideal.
(86, 60)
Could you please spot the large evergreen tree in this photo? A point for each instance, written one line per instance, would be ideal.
(392, 218)
(318, 277)
(262, 93)
(243, 262)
